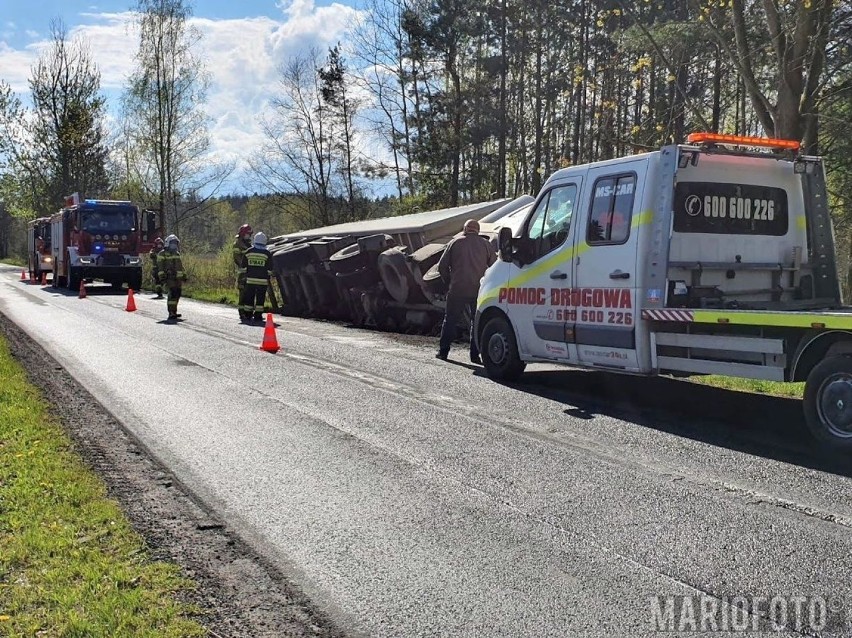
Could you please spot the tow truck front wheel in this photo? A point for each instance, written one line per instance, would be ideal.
(828, 402)
(500, 351)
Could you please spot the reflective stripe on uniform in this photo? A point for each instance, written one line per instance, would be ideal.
(256, 282)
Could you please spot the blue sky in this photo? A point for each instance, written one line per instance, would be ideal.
(243, 44)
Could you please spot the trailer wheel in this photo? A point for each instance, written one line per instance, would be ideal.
(828, 402)
(500, 351)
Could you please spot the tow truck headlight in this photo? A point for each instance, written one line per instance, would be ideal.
(134, 261)
(48, 259)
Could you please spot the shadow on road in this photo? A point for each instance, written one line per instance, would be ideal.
(761, 425)
(93, 289)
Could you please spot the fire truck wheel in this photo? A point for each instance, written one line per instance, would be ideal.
(74, 279)
(828, 402)
(500, 351)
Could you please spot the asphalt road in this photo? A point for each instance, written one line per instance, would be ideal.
(413, 497)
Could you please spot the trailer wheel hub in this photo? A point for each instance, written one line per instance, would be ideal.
(835, 404)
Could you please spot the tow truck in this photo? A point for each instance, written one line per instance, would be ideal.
(711, 257)
(101, 239)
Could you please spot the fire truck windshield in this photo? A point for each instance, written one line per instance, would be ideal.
(115, 219)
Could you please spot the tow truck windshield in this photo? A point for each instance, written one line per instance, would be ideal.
(114, 219)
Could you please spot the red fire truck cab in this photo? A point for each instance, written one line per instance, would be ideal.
(96, 239)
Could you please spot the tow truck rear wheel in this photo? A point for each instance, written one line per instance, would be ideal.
(499, 351)
(828, 402)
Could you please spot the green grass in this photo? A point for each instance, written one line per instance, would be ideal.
(14, 261)
(757, 386)
(70, 564)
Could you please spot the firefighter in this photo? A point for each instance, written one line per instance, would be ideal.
(155, 251)
(462, 265)
(258, 272)
(171, 274)
(241, 244)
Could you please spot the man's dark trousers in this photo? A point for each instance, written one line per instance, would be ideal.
(456, 307)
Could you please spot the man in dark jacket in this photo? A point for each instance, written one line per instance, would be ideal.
(462, 265)
(258, 271)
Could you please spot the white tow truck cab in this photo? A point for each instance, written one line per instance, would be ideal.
(712, 257)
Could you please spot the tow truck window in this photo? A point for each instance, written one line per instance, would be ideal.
(612, 210)
(549, 224)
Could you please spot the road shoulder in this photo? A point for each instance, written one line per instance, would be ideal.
(241, 593)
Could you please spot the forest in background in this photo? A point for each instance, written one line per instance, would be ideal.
(465, 101)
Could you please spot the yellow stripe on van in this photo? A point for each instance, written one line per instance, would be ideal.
(801, 222)
(834, 320)
(553, 261)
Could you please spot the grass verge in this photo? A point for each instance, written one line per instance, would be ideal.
(757, 386)
(70, 564)
(14, 261)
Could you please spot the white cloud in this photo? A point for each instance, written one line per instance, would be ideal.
(15, 66)
(242, 57)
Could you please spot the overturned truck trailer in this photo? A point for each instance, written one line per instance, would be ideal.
(380, 273)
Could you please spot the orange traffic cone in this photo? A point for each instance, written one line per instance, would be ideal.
(270, 341)
(23, 275)
(131, 302)
(82, 289)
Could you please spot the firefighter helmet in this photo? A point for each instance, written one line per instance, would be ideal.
(245, 229)
(260, 239)
(172, 243)
(158, 241)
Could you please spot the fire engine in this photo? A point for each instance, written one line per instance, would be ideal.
(39, 249)
(710, 257)
(95, 239)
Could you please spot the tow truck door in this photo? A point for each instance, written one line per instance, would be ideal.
(606, 266)
(545, 251)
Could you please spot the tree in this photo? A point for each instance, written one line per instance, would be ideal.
(298, 156)
(797, 35)
(57, 147)
(342, 108)
(163, 107)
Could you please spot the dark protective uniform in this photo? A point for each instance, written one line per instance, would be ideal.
(173, 276)
(238, 251)
(153, 254)
(463, 264)
(258, 272)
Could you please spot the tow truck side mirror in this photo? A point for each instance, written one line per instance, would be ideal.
(504, 244)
